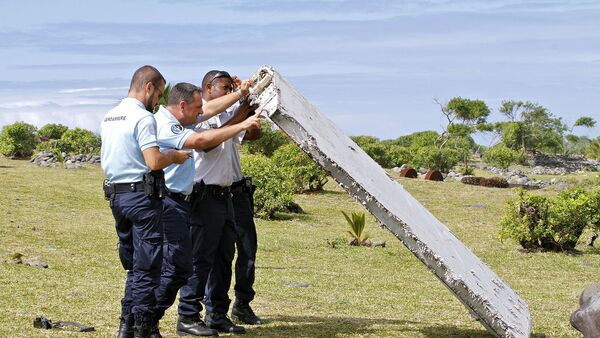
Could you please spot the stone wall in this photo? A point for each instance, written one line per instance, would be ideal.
(48, 159)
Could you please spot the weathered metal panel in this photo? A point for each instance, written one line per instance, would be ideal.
(486, 296)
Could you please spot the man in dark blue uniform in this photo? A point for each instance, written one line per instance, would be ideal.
(212, 219)
(175, 125)
(133, 165)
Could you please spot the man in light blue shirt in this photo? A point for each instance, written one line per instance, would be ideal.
(175, 124)
(133, 165)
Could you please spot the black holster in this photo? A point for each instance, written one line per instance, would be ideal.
(154, 184)
(250, 189)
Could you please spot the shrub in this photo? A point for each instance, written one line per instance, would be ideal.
(434, 158)
(501, 156)
(593, 149)
(81, 141)
(539, 222)
(57, 147)
(398, 155)
(52, 131)
(378, 152)
(17, 140)
(270, 139)
(363, 140)
(274, 190)
(299, 168)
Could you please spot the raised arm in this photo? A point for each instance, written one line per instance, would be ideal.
(208, 139)
(157, 160)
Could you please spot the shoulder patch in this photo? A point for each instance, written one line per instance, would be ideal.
(177, 128)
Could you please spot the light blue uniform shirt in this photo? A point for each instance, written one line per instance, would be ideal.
(172, 135)
(126, 131)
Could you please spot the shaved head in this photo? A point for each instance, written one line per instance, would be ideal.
(144, 75)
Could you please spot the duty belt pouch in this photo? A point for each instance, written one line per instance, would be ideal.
(108, 190)
(154, 184)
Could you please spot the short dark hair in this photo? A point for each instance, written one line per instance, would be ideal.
(144, 75)
(214, 74)
(182, 91)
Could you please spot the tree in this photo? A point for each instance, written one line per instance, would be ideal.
(464, 116)
(500, 156)
(17, 140)
(52, 131)
(577, 144)
(530, 128)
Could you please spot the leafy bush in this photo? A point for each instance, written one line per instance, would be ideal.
(378, 152)
(593, 149)
(299, 168)
(398, 155)
(52, 131)
(363, 140)
(270, 139)
(81, 141)
(434, 158)
(274, 190)
(539, 222)
(57, 147)
(501, 156)
(17, 140)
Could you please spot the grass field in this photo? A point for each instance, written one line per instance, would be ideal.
(304, 287)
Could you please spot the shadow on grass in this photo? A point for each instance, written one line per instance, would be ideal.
(6, 166)
(288, 216)
(313, 326)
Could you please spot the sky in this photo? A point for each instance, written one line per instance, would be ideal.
(372, 67)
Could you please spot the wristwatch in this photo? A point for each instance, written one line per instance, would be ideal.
(242, 98)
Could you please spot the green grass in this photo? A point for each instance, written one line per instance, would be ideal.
(60, 217)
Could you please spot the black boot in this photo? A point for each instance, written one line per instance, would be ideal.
(220, 321)
(126, 327)
(155, 332)
(142, 329)
(242, 312)
(193, 326)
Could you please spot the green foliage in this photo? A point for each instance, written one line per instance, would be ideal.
(52, 131)
(417, 140)
(274, 190)
(357, 225)
(585, 121)
(17, 140)
(531, 128)
(299, 168)
(593, 150)
(434, 158)
(57, 147)
(539, 222)
(81, 141)
(363, 140)
(468, 111)
(500, 156)
(269, 141)
(398, 155)
(576, 145)
(378, 152)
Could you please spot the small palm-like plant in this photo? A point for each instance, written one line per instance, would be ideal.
(357, 224)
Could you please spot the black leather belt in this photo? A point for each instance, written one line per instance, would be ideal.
(179, 196)
(216, 191)
(119, 188)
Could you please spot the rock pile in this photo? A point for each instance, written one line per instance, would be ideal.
(49, 159)
(563, 163)
(515, 178)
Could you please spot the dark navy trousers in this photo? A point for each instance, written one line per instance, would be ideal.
(138, 220)
(246, 244)
(213, 246)
(177, 252)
